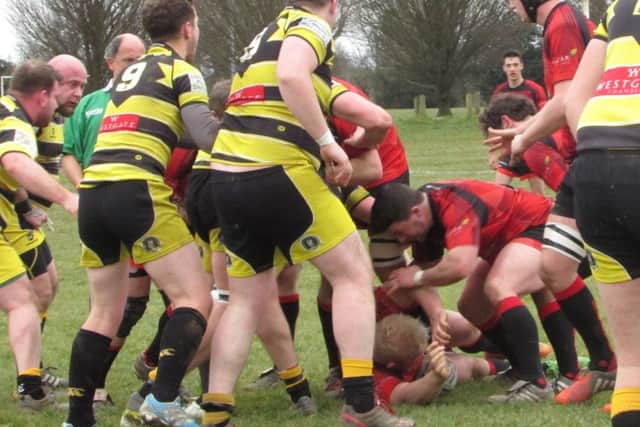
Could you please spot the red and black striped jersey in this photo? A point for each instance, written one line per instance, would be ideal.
(479, 213)
(528, 88)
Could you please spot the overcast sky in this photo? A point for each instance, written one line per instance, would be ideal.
(7, 34)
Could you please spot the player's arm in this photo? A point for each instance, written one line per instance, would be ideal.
(200, 125)
(457, 264)
(547, 120)
(427, 388)
(367, 167)
(30, 175)
(72, 169)
(372, 118)
(585, 81)
(296, 63)
(72, 147)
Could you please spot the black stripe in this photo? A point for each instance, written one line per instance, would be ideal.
(49, 149)
(158, 129)
(565, 234)
(130, 157)
(381, 259)
(53, 168)
(383, 240)
(8, 194)
(608, 137)
(229, 158)
(7, 135)
(41, 200)
(547, 242)
(480, 208)
(273, 128)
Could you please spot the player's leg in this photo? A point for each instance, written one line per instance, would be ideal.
(513, 273)
(17, 299)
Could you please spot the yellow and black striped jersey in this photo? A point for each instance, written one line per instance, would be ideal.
(258, 128)
(202, 161)
(142, 121)
(611, 118)
(16, 135)
(50, 141)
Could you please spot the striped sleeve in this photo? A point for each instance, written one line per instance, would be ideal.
(189, 84)
(314, 31)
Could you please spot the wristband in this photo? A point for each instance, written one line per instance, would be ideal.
(23, 207)
(326, 139)
(417, 278)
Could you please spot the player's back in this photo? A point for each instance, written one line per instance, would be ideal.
(610, 118)
(142, 121)
(258, 128)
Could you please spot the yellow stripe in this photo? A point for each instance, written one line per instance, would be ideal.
(611, 111)
(356, 368)
(220, 398)
(622, 51)
(625, 400)
(33, 372)
(606, 269)
(290, 373)
(215, 418)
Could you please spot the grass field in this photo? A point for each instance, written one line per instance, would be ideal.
(437, 149)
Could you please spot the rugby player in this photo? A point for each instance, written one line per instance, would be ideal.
(31, 102)
(274, 136)
(29, 241)
(127, 211)
(492, 235)
(566, 34)
(80, 133)
(602, 114)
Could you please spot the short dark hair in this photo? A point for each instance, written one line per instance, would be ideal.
(518, 107)
(162, 19)
(219, 95)
(393, 203)
(32, 76)
(512, 53)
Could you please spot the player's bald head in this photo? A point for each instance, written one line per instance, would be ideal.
(65, 63)
(74, 79)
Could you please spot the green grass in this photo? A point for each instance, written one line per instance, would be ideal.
(437, 149)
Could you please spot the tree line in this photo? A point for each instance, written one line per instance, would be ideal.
(394, 49)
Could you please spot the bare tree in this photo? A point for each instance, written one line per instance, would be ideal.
(78, 27)
(430, 44)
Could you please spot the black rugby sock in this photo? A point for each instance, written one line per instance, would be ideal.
(180, 340)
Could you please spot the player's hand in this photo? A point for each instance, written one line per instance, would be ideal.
(438, 362)
(35, 217)
(401, 278)
(517, 149)
(70, 204)
(355, 139)
(492, 159)
(499, 139)
(440, 329)
(338, 168)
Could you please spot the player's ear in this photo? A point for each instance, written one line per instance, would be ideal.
(506, 122)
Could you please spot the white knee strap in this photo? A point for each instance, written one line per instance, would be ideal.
(565, 240)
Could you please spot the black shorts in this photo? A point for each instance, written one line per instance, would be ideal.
(37, 260)
(563, 205)
(129, 218)
(607, 185)
(276, 216)
(200, 207)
